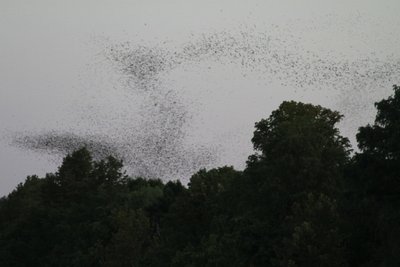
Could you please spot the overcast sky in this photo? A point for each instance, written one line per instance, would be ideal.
(56, 75)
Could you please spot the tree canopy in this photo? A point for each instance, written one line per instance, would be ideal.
(302, 200)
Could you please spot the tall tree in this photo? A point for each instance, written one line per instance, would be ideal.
(375, 189)
(296, 178)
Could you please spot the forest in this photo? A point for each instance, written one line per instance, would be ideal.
(306, 198)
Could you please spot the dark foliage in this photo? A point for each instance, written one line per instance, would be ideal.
(302, 200)
(372, 202)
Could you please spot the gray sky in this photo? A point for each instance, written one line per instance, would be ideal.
(58, 76)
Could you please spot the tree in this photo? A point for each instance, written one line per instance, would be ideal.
(301, 143)
(298, 168)
(193, 215)
(130, 241)
(67, 218)
(374, 189)
(301, 201)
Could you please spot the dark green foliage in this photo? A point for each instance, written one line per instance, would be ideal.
(87, 214)
(373, 198)
(301, 201)
(294, 186)
(300, 144)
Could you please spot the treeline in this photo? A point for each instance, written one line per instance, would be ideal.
(303, 200)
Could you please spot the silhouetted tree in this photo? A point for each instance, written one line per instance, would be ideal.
(295, 181)
(373, 203)
(301, 201)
